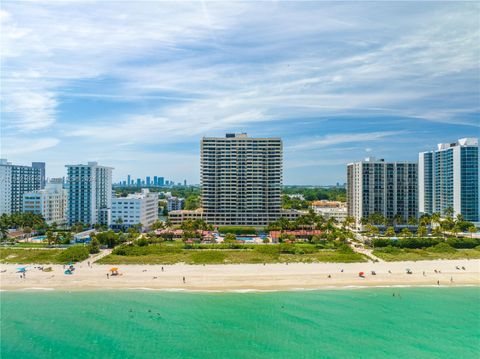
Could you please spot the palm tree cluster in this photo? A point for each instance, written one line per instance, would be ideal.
(441, 226)
(312, 221)
(23, 221)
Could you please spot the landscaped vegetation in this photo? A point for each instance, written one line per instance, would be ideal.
(44, 256)
(178, 252)
(436, 252)
(411, 248)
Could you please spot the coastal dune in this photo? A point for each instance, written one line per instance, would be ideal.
(244, 277)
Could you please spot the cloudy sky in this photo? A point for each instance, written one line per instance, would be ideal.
(135, 85)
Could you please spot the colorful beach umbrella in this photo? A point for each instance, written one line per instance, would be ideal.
(22, 269)
(113, 269)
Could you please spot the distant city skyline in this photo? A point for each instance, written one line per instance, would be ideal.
(336, 81)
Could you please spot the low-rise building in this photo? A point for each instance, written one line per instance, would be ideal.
(291, 214)
(179, 216)
(331, 209)
(50, 202)
(134, 209)
(175, 203)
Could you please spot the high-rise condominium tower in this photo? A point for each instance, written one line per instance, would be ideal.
(16, 180)
(385, 188)
(241, 179)
(41, 167)
(89, 194)
(449, 178)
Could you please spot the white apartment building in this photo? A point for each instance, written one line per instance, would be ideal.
(385, 188)
(241, 179)
(449, 178)
(331, 209)
(134, 209)
(50, 202)
(175, 203)
(16, 180)
(89, 194)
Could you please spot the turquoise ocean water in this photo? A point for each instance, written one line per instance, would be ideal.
(366, 323)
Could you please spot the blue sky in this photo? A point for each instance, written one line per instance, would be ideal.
(135, 85)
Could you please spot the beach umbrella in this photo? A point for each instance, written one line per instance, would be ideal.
(22, 269)
(361, 274)
(113, 269)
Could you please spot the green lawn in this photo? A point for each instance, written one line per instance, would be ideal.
(160, 254)
(425, 254)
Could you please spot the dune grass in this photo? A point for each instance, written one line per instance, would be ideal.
(26, 256)
(43, 256)
(158, 254)
(425, 254)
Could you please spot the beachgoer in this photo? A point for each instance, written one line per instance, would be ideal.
(108, 277)
(183, 279)
(341, 271)
(88, 263)
(451, 279)
(329, 276)
(438, 282)
(463, 268)
(424, 273)
(390, 271)
(162, 269)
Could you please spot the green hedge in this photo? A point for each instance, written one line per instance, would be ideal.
(238, 230)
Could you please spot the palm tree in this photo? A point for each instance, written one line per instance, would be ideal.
(390, 232)
(422, 231)
(449, 212)
(349, 221)
(472, 230)
(406, 233)
(435, 218)
(50, 237)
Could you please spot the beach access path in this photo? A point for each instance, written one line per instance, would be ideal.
(245, 277)
(95, 257)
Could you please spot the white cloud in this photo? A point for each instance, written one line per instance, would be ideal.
(202, 68)
(332, 140)
(13, 147)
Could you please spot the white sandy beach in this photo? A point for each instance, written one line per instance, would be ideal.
(244, 277)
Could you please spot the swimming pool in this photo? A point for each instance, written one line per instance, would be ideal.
(38, 238)
(246, 238)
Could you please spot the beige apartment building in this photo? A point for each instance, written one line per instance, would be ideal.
(241, 179)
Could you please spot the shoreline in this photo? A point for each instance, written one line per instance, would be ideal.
(234, 291)
(238, 278)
